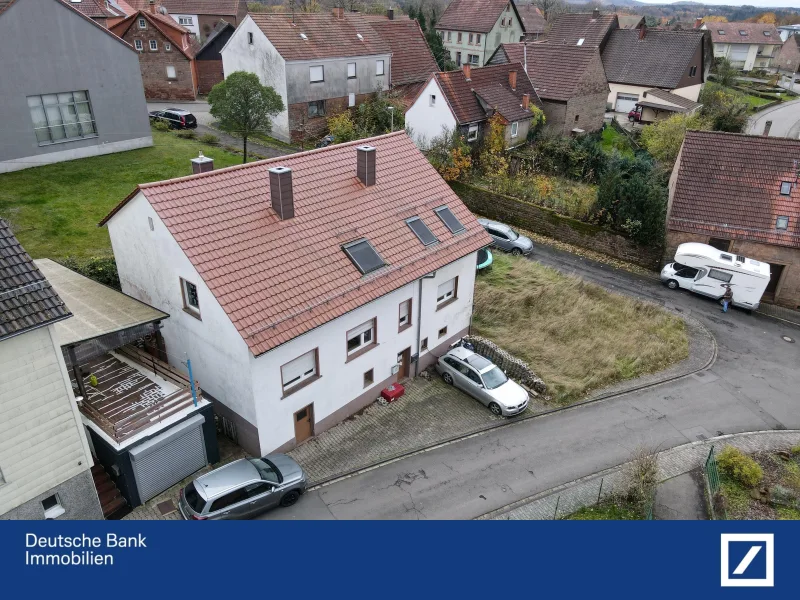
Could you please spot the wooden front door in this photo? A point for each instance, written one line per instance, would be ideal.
(304, 424)
(404, 360)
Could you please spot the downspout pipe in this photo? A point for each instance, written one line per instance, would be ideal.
(419, 318)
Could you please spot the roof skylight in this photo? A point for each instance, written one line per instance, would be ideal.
(364, 256)
(449, 219)
(303, 36)
(421, 230)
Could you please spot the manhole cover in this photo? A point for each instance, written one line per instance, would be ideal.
(786, 338)
(166, 507)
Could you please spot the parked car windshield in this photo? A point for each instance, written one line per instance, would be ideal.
(513, 235)
(267, 470)
(494, 378)
(193, 499)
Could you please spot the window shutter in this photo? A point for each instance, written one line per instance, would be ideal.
(300, 368)
(360, 329)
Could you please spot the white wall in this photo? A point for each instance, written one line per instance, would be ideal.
(42, 443)
(690, 92)
(427, 121)
(263, 59)
(194, 27)
(150, 265)
(341, 382)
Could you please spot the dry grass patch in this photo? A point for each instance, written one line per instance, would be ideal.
(576, 335)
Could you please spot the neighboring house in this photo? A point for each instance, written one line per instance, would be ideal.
(466, 99)
(533, 22)
(569, 80)
(102, 12)
(54, 107)
(166, 54)
(209, 60)
(345, 269)
(788, 59)
(45, 459)
(739, 193)
(412, 60)
(200, 17)
(636, 61)
(320, 64)
(786, 31)
(471, 30)
(582, 29)
(746, 45)
(630, 21)
(655, 104)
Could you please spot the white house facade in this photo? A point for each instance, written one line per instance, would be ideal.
(430, 114)
(471, 30)
(188, 21)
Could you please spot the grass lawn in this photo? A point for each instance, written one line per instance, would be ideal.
(614, 140)
(54, 209)
(605, 511)
(755, 101)
(575, 335)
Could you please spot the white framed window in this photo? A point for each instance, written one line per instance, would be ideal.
(185, 21)
(171, 72)
(404, 320)
(471, 39)
(250, 37)
(361, 337)
(316, 73)
(477, 38)
(432, 100)
(142, 24)
(167, 47)
(378, 67)
(351, 100)
(514, 129)
(459, 37)
(473, 59)
(299, 371)
(61, 117)
(446, 292)
(449, 36)
(191, 302)
(351, 70)
(138, 44)
(52, 507)
(472, 133)
(153, 45)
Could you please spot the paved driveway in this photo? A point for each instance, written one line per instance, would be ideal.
(752, 386)
(785, 120)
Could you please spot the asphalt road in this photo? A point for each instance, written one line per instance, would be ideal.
(785, 120)
(752, 386)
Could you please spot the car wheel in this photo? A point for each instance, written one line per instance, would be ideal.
(495, 408)
(290, 498)
(516, 251)
(448, 379)
(672, 284)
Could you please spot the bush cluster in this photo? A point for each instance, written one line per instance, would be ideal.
(738, 466)
(102, 269)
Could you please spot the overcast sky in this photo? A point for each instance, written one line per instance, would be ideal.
(764, 3)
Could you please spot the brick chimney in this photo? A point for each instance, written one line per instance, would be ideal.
(338, 12)
(467, 71)
(280, 192)
(365, 165)
(202, 164)
(390, 14)
(152, 6)
(526, 101)
(698, 22)
(642, 32)
(596, 13)
(512, 79)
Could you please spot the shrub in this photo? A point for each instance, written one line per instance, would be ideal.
(739, 467)
(159, 125)
(210, 139)
(342, 128)
(186, 134)
(102, 269)
(795, 450)
(449, 154)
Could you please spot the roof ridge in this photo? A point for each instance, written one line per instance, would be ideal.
(770, 139)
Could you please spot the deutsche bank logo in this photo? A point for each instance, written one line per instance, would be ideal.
(748, 559)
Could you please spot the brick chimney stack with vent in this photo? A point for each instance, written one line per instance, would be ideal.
(202, 164)
(698, 22)
(512, 79)
(467, 71)
(280, 192)
(152, 6)
(526, 101)
(642, 32)
(596, 13)
(338, 12)
(365, 165)
(390, 14)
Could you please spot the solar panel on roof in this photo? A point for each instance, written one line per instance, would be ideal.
(449, 219)
(424, 234)
(364, 256)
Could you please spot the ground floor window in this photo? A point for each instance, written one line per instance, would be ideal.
(316, 108)
(361, 337)
(299, 371)
(62, 117)
(514, 129)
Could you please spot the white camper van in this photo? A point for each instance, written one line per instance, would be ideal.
(705, 270)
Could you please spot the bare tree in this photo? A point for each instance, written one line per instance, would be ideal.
(551, 8)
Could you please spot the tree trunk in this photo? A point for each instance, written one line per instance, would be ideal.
(244, 156)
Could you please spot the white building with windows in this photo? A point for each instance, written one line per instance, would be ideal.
(302, 286)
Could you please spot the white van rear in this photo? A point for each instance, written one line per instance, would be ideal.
(705, 270)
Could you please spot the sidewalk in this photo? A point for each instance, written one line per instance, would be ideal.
(568, 498)
(779, 312)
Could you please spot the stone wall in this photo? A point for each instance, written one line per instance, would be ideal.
(153, 64)
(300, 123)
(549, 223)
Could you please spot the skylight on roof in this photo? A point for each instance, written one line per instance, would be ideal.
(721, 31)
(786, 188)
(364, 256)
(421, 230)
(742, 32)
(580, 42)
(767, 33)
(303, 36)
(449, 219)
(360, 37)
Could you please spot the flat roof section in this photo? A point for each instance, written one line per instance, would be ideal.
(97, 309)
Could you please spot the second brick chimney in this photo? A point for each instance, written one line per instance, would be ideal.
(512, 79)
(698, 22)
(642, 32)
(596, 13)
(365, 165)
(526, 101)
(338, 12)
(280, 192)
(152, 6)
(390, 14)
(468, 71)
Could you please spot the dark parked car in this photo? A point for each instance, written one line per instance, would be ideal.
(177, 118)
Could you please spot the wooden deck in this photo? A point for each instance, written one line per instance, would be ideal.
(125, 401)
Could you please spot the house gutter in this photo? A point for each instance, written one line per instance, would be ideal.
(419, 318)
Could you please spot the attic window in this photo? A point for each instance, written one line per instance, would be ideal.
(449, 219)
(421, 230)
(782, 223)
(767, 33)
(721, 31)
(580, 42)
(142, 24)
(364, 256)
(250, 38)
(786, 188)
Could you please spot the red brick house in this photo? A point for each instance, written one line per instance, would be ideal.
(200, 17)
(739, 193)
(166, 54)
(788, 59)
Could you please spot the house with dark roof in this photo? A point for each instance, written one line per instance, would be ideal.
(199, 17)
(55, 108)
(305, 284)
(569, 80)
(788, 59)
(166, 54)
(471, 30)
(747, 46)
(740, 194)
(582, 29)
(45, 459)
(465, 100)
(637, 61)
(412, 60)
(320, 64)
(208, 59)
(533, 21)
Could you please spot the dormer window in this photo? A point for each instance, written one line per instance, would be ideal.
(786, 188)
(142, 24)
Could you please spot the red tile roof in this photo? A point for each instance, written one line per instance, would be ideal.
(569, 28)
(96, 9)
(193, 7)
(728, 185)
(473, 15)
(412, 60)
(458, 93)
(279, 279)
(162, 23)
(756, 33)
(326, 35)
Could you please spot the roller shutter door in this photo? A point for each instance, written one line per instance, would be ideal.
(166, 459)
(626, 102)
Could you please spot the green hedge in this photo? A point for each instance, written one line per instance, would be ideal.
(102, 269)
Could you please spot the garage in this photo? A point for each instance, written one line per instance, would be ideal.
(626, 102)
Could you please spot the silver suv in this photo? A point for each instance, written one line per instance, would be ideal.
(507, 239)
(243, 489)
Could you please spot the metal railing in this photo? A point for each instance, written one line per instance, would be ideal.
(712, 483)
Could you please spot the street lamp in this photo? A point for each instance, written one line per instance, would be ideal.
(391, 112)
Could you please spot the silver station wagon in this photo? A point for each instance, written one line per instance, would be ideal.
(507, 239)
(243, 489)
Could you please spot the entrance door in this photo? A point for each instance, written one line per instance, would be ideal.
(774, 277)
(404, 360)
(304, 424)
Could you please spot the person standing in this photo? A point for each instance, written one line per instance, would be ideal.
(727, 297)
